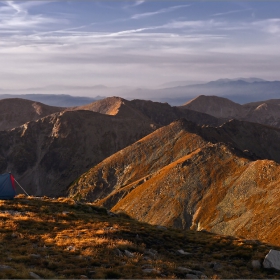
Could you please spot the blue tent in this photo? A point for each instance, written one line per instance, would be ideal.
(7, 186)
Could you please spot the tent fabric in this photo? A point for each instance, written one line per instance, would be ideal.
(7, 186)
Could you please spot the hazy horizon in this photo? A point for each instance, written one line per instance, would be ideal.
(136, 43)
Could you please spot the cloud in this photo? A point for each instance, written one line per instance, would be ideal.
(15, 16)
(230, 12)
(161, 11)
(136, 54)
(271, 26)
(135, 4)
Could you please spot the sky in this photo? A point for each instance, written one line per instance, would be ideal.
(136, 43)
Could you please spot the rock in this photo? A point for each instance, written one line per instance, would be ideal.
(256, 264)
(71, 248)
(34, 275)
(5, 267)
(150, 270)
(203, 276)
(151, 253)
(83, 277)
(217, 267)
(191, 276)
(111, 214)
(184, 269)
(118, 252)
(162, 227)
(182, 252)
(252, 242)
(36, 256)
(147, 266)
(197, 272)
(272, 260)
(128, 254)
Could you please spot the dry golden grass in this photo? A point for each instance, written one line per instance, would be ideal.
(64, 239)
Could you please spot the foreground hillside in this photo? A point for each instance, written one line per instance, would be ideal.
(200, 177)
(47, 238)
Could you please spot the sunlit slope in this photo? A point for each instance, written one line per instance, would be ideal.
(211, 189)
(188, 176)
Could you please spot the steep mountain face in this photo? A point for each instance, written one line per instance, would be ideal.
(159, 113)
(264, 112)
(188, 176)
(17, 111)
(48, 154)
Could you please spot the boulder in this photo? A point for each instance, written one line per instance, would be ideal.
(128, 254)
(34, 275)
(5, 267)
(272, 260)
(184, 269)
(150, 270)
(182, 252)
(256, 264)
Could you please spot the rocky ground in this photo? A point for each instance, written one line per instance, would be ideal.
(61, 238)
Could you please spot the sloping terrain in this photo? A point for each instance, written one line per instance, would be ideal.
(264, 112)
(48, 154)
(185, 175)
(16, 111)
(63, 239)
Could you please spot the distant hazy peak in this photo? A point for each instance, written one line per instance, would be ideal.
(218, 107)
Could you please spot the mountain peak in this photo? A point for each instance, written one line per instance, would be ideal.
(218, 107)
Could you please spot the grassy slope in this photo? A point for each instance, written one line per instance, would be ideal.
(63, 239)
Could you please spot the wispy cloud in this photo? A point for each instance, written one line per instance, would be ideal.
(135, 4)
(230, 12)
(15, 15)
(161, 11)
(78, 51)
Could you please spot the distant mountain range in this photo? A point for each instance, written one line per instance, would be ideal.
(60, 100)
(209, 164)
(240, 90)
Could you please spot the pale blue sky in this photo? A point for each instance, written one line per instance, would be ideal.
(136, 43)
